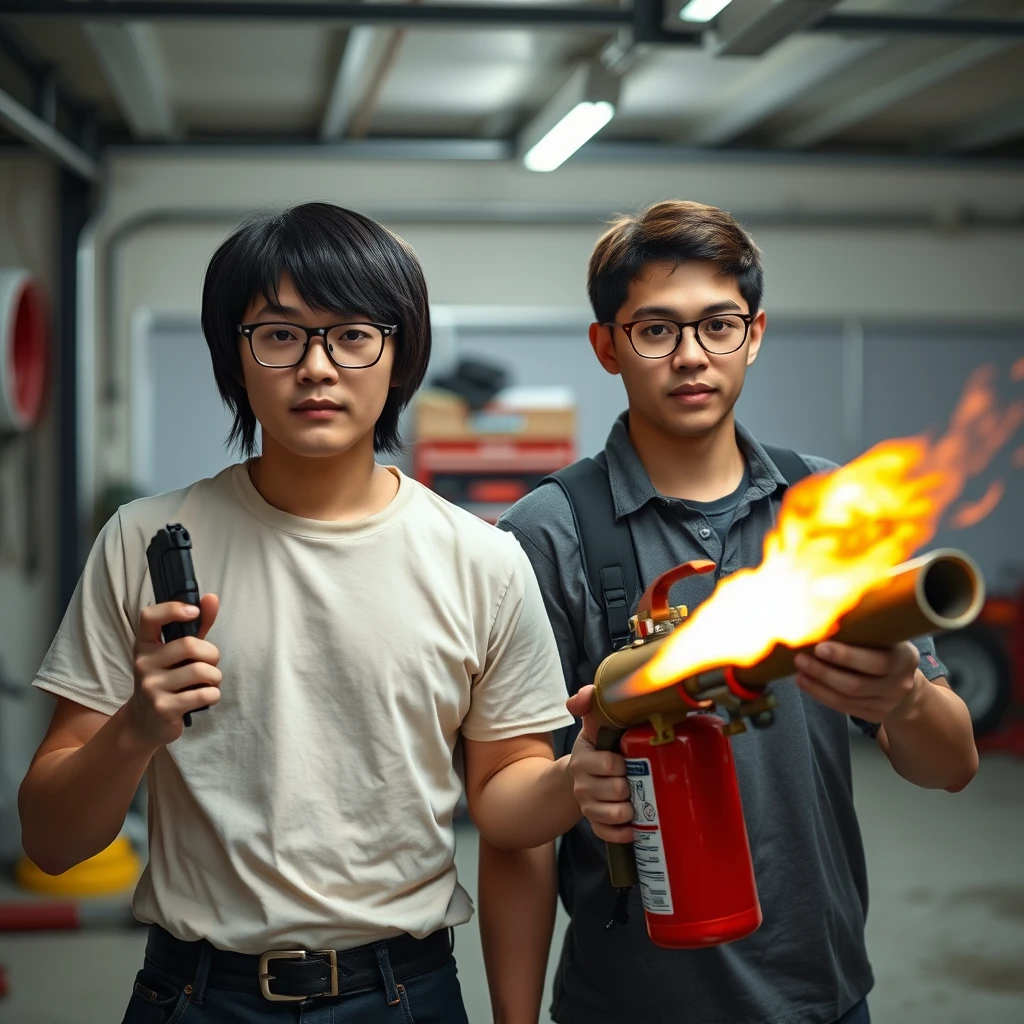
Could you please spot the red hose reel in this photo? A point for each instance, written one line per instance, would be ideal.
(24, 351)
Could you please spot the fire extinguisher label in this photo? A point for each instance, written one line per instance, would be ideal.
(647, 840)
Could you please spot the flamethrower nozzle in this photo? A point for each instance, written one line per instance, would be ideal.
(941, 590)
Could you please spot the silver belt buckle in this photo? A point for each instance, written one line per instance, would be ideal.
(295, 954)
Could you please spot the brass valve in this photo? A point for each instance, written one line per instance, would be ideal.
(644, 625)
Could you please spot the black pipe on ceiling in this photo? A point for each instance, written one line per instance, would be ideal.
(469, 15)
(486, 15)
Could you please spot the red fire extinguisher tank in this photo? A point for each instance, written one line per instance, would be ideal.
(692, 854)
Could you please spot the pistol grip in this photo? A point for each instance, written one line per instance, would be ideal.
(620, 856)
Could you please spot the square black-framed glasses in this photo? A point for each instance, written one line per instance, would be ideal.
(384, 331)
(705, 342)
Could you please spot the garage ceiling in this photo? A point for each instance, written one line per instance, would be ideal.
(852, 77)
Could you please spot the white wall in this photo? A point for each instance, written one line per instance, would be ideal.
(495, 234)
(28, 231)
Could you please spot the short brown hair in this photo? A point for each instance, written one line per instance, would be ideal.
(673, 231)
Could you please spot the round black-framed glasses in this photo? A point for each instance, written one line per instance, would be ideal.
(657, 338)
(350, 346)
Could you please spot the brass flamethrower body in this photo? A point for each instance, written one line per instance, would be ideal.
(938, 591)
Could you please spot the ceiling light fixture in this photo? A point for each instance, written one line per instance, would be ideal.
(703, 10)
(580, 125)
(577, 112)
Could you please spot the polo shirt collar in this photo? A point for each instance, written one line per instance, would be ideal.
(631, 485)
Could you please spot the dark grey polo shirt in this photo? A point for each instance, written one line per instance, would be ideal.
(807, 963)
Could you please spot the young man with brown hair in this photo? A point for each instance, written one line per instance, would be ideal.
(676, 292)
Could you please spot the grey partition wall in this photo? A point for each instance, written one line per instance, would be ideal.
(180, 424)
(829, 388)
(793, 395)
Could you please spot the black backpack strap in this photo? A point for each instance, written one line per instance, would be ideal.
(606, 547)
(788, 463)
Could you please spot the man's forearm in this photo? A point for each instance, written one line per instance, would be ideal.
(73, 801)
(929, 738)
(528, 803)
(518, 890)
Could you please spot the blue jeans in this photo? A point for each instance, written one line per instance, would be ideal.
(856, 1014)
(161, 997)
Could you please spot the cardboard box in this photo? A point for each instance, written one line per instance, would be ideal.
(513, 414)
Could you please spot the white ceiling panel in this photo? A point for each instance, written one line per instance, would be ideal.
(263, 77)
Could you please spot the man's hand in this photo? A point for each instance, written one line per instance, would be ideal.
(860, 681)
(164, 693)
(599, 777)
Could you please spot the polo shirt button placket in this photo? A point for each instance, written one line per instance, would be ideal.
(705, 532)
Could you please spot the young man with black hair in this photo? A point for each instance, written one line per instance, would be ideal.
(676, 293)
(356, 625)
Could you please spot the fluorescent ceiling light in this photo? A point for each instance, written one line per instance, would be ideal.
(703, 10)
(581, 124)
(584, 104)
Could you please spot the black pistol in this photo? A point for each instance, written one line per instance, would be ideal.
(174, 579)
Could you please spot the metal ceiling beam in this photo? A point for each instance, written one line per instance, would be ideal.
(20, 121)
(469, 14)
(456, 150)
(369, 56)
(502, 150)
(772, 85)
(988, 130)
(648, 30)
(478, 15)
(859, 108)
(130, 58)
(784, 77)
(53, 97)
(752, 27)
(363, 53)
(393, 41)
(921, 25)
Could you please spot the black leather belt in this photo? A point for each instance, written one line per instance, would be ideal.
(294, 974)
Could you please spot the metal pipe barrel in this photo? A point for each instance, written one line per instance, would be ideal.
(938, 591)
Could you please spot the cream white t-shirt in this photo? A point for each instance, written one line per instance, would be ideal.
(312, 807)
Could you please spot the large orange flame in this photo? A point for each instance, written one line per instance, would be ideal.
(837, 535)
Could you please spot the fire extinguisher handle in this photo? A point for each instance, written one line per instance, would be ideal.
(621, 859)
(621, 865)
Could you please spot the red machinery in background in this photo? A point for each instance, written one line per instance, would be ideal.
(986, 668)
(486, 460)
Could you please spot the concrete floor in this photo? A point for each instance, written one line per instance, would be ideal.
(945, 931)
